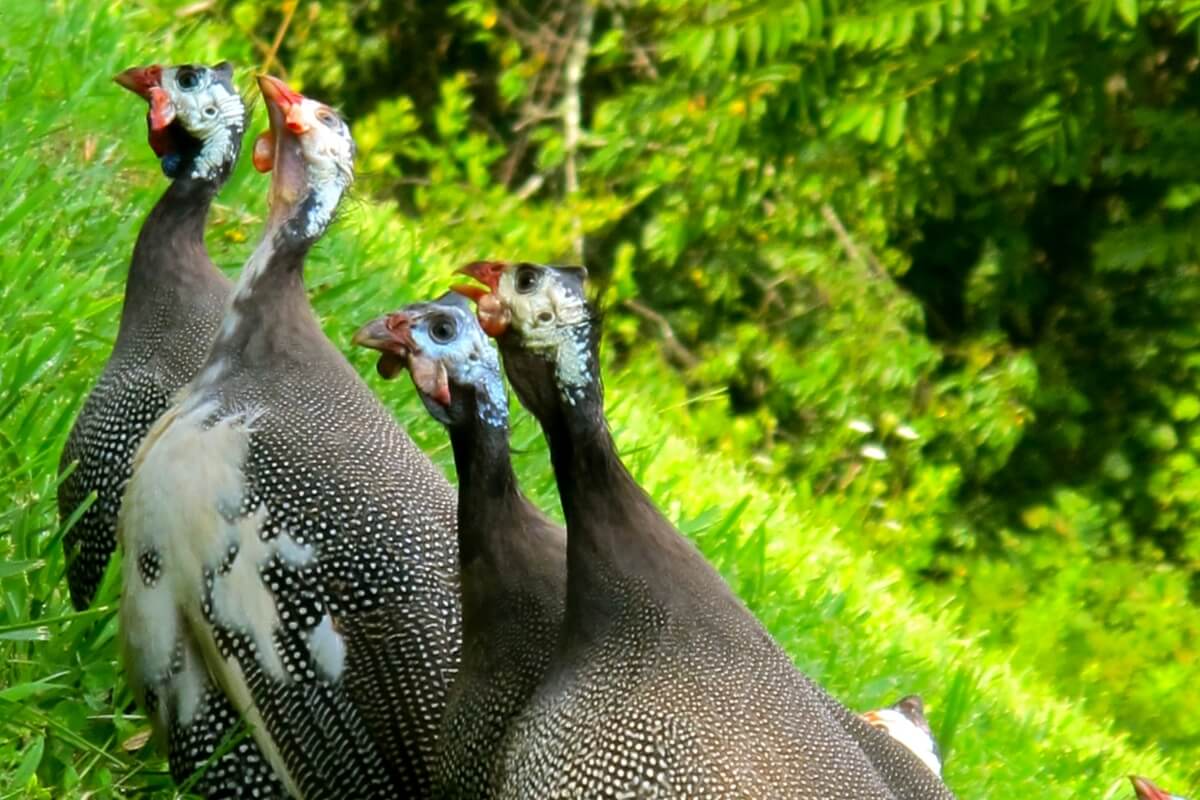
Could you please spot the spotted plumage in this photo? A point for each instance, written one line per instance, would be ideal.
(174, 299)
(664, 685)
(512, 557)
(307, 546)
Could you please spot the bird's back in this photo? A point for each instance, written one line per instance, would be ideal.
(684, 694)
(512, 611)
(327, 602)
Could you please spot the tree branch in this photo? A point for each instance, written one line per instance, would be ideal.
(573, 109)
(675, 349)
(867, 258)
(289, 9)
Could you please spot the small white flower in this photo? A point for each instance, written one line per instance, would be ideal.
(907, 434)
(861, 425)
(873, 452)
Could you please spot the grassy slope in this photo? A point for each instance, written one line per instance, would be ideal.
(77, 180)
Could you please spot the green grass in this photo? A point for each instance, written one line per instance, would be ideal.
(77, 178)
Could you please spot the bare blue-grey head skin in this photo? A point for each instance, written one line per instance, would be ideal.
(664, 684)
(512, 556)
(281, 513)
(447, 354)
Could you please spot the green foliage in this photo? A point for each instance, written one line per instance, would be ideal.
(986, 242)
(925, 271)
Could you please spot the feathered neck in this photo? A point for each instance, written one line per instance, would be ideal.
(270, 320)
(616, 536)
(488, 493)
(170, 253)
(277, 265)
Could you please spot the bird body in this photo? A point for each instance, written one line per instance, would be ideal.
(174, 299)
(512, 556)
(301, 546)
(905, 722)
(665, 685)
(513, 595)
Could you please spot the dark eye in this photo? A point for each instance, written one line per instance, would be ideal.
(211, 111)
(327, 117)
(187, 79)
(442, 330)
(527, 279)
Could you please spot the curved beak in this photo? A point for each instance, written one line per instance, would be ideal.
(387, 334)
(146, 82)
(375, 334)
(278, 149)
(281, 96)
(1146, 790)
(494, 315)
(391, 336)
(140, 80)
(470, 291)
(486, 272)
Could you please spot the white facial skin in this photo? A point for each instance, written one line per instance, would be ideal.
(550, 312)
(328, 151)
(208, 110)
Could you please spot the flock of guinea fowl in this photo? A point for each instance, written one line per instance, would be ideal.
(310, 610)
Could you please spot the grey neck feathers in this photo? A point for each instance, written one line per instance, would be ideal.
(613, 526)
(269, 320)
(488, 492)
(169, 259)
(278, 261)
(581, 445)
(180, 215)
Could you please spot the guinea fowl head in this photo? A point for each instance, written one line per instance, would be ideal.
(1146, 790)
(453, 366)
(545, 325)
(196, 117)
(311, 151)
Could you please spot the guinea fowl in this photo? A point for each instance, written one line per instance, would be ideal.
(512, 556)
(905, 722)
(1146, 790)
(664, 685)
(284, 540)
(174, 298)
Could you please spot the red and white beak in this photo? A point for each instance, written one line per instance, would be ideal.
(146, 82)
(494, 315)
(390, 335)
(278, 149)
(140, 80)
(1146, 790)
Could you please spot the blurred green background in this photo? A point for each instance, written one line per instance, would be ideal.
(903, 324)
